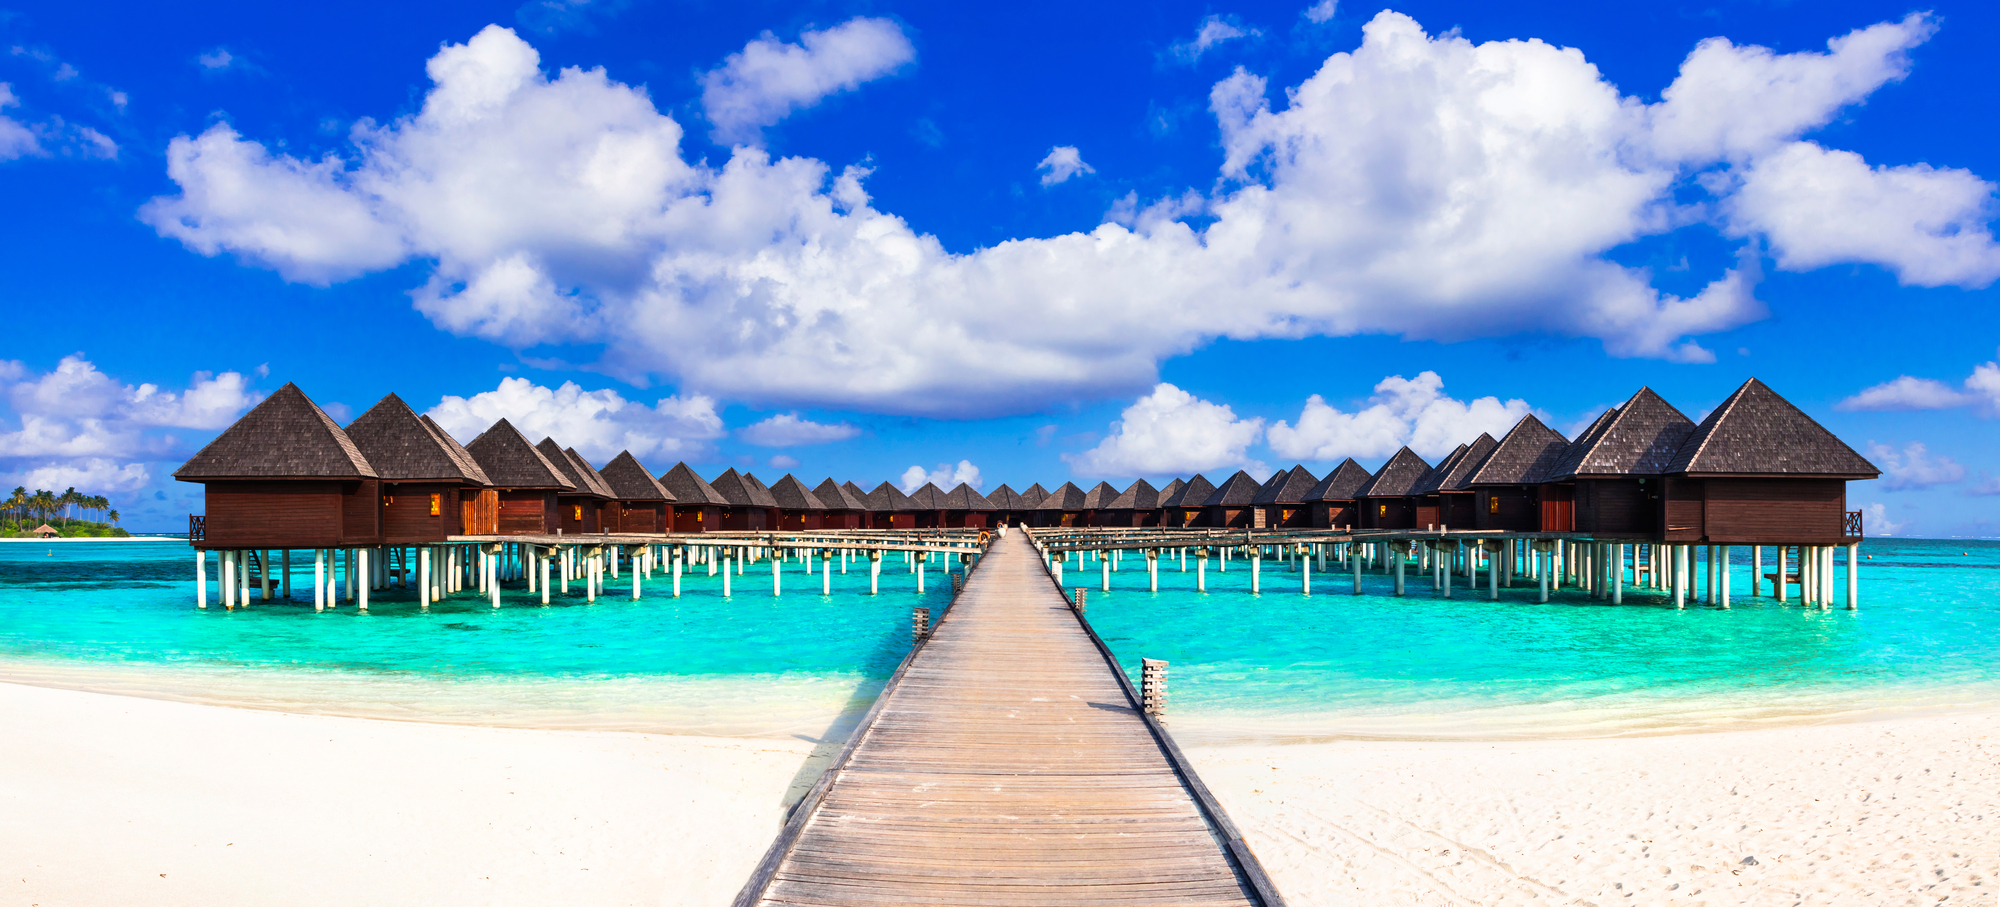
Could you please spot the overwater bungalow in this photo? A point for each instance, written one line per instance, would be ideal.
(1228, 507)
(1384, 500)
(285, 476)
(1010, 508)
(890, 508)
(1760, 471)
(580, 510)
(1137, 506)
(966, 508)
(1062, 507)
(799, 510)
(1507, 486)
(1034, 494)
(845, 509)
(698, 507)
(1425, 501)
(1182, 508)
(1458, 503)
(640, 503)
(750, 502)
(1332, 500)
(526, 482)
(1096, 500)
(928, 506)
(1609, 480)
(1281, 503)
(430, 490)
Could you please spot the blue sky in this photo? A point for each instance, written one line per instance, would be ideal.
(1055, 242)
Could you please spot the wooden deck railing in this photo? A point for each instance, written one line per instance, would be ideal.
(197, 527)
(1854, 524)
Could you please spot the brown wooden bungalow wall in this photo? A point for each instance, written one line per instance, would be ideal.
(746, 519)
(968, 519)
(1762, 510)
(1617, 506)
(1333, 514)
(648, 517)
(706, 518)
(300, 514)
(1682, 511)
(800, 520)
(524, 512)
(1426, 511)
(1388, 513)
(407, 516)
(1458, 509)
(579, 515)
(1226, 517)
(841, 519)
(1505, 510)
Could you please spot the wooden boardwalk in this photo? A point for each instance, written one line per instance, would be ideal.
(1007, 764)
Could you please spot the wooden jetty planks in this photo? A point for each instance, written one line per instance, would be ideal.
(1007, 765)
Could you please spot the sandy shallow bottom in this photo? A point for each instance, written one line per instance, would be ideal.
(118, 800)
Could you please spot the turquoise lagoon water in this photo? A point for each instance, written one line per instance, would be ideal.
(120, 617)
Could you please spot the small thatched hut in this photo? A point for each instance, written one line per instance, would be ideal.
(285, 476)
(580, 510)
(750, 502)
(1507, 486)
(845, 508)
(1138, 505)
(966, 508)
(1281, 503)
(799, 510)
(1332, 500)
(1384, 500)
(526, 481)
(429, 490)
(698, 507)
(1760, 471)
(890, 508)
(1009, 506)
(1063, 507)
(640, 505)
(1229, 506)
(1182, 508)
(1611, 475)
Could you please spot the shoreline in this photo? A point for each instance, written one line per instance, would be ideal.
(783, 707)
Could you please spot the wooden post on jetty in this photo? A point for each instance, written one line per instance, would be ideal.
(1256, 569)
(1201, 570)
(1153, 685)
(1153, 569)
(920, 624)
(1402, 554)
(875, 572)
(1305, 572)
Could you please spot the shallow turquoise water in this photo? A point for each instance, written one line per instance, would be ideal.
(120, 616)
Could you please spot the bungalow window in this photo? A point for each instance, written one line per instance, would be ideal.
(1493, 505)
(579, 513)
(1382, 510)
(434, 505)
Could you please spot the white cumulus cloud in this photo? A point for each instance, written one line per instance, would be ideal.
(1215, 30)
(597, 423)
(1403, 411)
(1171, 432)
(1062, 162)
(1981, 390)
(945, 476)
(47, 137)
(788, 430)
(1914, 467)
(1875, 520)
(758, 85)
(1322, 11)
(1419, 186)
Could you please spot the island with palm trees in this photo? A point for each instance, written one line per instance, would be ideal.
(71, 514)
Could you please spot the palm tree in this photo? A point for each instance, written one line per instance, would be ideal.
(112, 515)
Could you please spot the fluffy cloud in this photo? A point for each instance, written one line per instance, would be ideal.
(598, 423)
(1875, 520)
(788, 430)
(1981, 390)
(1819, 207)
(47, 137)
(1419, 186)
(77, 427)
(1321, 11)
(768, 78)
(217, 59)
(1913, 467)
(79, 412)
(1215, 30)
(1403, 411)
(945, 476)
(1063, 162)
(1169, 432)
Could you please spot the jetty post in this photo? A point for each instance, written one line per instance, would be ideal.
(1201, 570)
(1853, 577)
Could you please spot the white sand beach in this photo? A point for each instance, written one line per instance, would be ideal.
(119, 800)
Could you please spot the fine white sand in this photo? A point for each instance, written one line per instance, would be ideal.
(120, 800)
(1905, 811)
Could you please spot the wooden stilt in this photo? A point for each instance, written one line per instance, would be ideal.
(200, 579)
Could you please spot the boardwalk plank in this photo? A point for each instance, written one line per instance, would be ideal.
(1007, 766)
